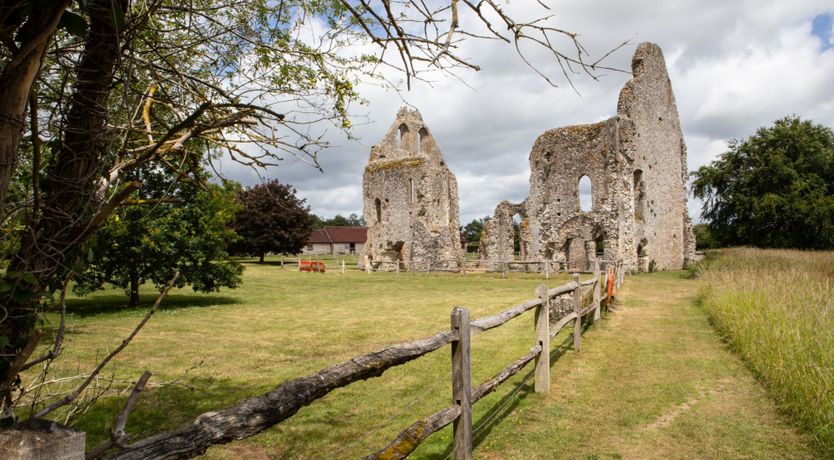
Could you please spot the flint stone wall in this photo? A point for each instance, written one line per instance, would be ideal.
(636, 162)
(410, 201)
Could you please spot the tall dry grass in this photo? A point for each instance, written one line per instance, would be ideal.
(775, 308)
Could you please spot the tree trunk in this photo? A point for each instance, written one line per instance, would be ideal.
(261, 258)
(69, 200)
(16, 81)
(134, 291)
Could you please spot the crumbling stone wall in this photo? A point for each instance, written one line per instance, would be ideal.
(636, 162)
(410, 200)
(653, 143)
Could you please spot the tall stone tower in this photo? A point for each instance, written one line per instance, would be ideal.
(410, 201)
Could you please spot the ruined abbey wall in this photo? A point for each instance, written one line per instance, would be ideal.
(653, 145)
(410, 200)
(636, 163)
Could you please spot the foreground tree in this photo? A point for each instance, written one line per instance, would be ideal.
(125, 85)
(168, 227)
(775, 189)
(272, 219)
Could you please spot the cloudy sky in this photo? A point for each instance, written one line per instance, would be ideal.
(734, 66)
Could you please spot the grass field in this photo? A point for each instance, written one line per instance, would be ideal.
(210, 351)
(775, 308)
(654, 381)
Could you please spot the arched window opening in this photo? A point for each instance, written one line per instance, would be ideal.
(586, 194)
(412, 191)
(378, 205)
(519, 246)
(424, 135)
(639, 196)
(403, 132)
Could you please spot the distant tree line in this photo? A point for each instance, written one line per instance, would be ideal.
(353, 220)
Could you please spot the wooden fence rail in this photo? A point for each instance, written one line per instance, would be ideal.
(258, 413)
(461, 266)
(410, 438)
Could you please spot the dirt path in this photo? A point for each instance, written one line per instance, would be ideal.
(655, 381)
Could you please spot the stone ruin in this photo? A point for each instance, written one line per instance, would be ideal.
(636, 163)
(410, 201)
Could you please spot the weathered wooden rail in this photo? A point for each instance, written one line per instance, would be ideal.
(256, 414)
(585, 297)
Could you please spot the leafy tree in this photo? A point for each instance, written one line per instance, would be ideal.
(703, 237)
(182, 226)
(473, 231)
(775, 189)
(272, 219)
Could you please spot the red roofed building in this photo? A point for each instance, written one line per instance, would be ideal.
(336, 240)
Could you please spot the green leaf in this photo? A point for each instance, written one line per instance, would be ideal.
(30, 278)
(73, 23)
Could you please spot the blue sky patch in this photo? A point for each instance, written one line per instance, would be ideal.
(821, 27)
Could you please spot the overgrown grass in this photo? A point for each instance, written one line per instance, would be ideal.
(775, 308)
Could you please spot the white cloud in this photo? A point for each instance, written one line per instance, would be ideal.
(735, 66)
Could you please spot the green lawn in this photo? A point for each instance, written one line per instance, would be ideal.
(654, 382)
(210, 351)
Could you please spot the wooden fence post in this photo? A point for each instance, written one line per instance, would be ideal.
(543, 338)
(546, 270)
(597, 288)
(343, 265)
(577, 308)
(462, 384)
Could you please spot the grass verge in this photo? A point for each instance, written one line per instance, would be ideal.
(775, 308)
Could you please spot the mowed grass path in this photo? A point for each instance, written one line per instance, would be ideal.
(654, 382)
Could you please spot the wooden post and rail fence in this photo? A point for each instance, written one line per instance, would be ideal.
(255, 414)
(545, 267)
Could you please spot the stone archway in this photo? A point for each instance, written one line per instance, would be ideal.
(577, 240)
